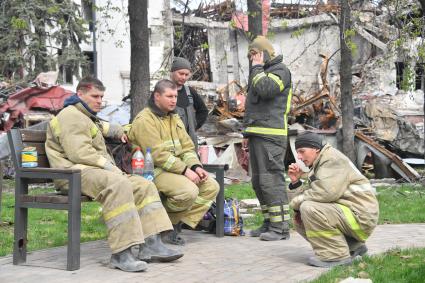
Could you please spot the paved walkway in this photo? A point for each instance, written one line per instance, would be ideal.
(207, 259)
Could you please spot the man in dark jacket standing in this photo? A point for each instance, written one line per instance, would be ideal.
(190, 106)
(265, 121)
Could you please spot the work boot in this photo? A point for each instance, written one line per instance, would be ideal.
(126, 261)
(314, 261)
(154, 250)
(274, 236)
(262, 229)
(360, 251)
(172, 236)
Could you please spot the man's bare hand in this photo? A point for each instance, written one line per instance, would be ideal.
(258, 58)
(203, 175)
(191, 175)
(294, 172)
(124, 138)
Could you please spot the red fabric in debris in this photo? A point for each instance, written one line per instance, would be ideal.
(243, 156)
(240, 20)
(50, 99)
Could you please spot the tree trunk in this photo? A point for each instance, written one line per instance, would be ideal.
(139, 63)
(41, 55)
(346, 82)
(422, 2)
(255, 23)
(255, 18)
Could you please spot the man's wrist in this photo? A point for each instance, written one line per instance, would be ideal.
(194, 167)
(294, 185)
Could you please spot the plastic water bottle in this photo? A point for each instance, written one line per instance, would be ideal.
(138, 162)
(149, 166)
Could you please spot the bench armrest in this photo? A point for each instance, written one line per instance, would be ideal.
(215, 167)
(49, 170)
(46, 173)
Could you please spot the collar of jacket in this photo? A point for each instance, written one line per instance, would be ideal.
(156, 110)
(74, 99)
(80, 106)
(325, 148)
(276, 60)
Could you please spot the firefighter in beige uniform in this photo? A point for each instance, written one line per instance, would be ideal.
(337, 209)
(131, 206)
(179, 175)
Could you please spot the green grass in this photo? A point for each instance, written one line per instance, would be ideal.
(49, 229)
(397, 205)
(239, 191)
(403, 204)
(393, 266)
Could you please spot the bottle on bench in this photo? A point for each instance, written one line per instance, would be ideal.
(138, 162)
(149, 166)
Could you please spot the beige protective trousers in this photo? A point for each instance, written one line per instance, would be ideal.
(131, 206)
(184, 200)
(330, 228)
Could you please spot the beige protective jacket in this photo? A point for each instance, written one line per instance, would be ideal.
(75, 139)
(333, 178)
(172, 149)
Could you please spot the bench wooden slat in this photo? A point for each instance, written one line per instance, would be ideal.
(33, 136)
(50, 198)
(50, 170)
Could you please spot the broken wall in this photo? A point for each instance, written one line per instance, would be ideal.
(300, 41)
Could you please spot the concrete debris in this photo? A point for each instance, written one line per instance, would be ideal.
(236, 171)
(398, 120)
(232, 124)
(243, 210)
(393, 160)
(390, 181)
(246, 215)
(356, 280)
(116, 113)
(249, 203)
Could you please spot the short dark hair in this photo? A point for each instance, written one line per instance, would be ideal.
(162, 85)
(88, 83)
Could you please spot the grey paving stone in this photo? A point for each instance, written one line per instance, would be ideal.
(207, 259)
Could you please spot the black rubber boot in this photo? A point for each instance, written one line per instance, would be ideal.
(262, 229)
(126, 261)
(153, 250)
(356, 247)
(274, 236)
(314, 261)
(173, 237)
(358, 252)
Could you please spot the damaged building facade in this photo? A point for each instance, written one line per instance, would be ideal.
(214, 40)
(388, 115)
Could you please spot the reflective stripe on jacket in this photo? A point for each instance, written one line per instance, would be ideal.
(333, 178)
(269, 99)
(172, 148)
(75, 138)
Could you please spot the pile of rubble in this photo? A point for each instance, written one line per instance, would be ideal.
(25, 104)
(389, 127)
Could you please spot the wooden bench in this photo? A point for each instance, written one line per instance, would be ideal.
(20, 138)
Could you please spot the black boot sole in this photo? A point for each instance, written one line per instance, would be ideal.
(162, 258)
(114, 266)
